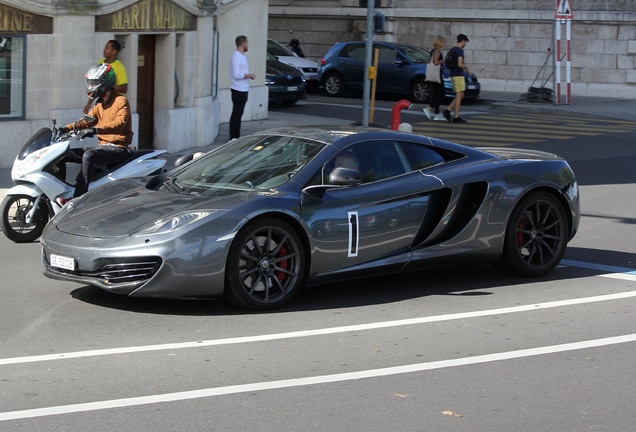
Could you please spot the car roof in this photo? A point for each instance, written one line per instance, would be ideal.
(346, 133)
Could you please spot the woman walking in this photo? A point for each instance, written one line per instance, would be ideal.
(435, 80)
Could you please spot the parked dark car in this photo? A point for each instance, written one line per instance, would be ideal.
(401, 71)
(285, 83)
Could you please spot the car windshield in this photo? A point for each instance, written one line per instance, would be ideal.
(255, 162)
(416, 54)
(276, 49)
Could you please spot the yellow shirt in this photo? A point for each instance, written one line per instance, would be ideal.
(120, 71)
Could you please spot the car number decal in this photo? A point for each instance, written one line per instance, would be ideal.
(354, 234)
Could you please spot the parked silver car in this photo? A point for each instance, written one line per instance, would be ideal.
(283, 54)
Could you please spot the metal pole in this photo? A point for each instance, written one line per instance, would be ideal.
(366, 90)
(554, 100)
(557, 73)
(568, 66)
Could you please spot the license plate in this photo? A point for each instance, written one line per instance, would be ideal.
(62, 262)
(471, 87)
(292, 88)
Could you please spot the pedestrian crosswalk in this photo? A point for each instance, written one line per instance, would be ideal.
(502, 129)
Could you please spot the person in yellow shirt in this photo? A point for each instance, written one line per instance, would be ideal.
(111, 50)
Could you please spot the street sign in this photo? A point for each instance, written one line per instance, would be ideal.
(563, 9)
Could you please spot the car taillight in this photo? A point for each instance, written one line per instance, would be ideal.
(322, 61)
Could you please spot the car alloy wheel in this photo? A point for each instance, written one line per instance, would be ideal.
(334, 85)
(536, 236)
(420, 91)
(266, 265)
(15, 209)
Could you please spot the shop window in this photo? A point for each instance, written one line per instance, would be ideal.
(12, 76)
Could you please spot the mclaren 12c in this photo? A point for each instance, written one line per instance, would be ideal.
(259, 218)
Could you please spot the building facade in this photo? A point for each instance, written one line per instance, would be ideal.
(176, 54)
(509, 40)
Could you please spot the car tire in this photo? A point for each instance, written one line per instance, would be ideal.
(334, 85)
(266, 265)
(420, 91)
(536, 236)
(14, 225)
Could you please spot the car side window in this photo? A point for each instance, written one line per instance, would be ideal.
(375, 160)
(420, 157)
(353, 51)
(387, 54)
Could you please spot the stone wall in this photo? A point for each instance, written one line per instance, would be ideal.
(510, 40)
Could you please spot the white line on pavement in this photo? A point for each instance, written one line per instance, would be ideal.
(306, 381)
(317, 332)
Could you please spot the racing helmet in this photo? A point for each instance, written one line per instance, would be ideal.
(99, 79)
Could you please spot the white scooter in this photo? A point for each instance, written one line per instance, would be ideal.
(41, 189)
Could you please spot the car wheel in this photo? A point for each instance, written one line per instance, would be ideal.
(420, 91)
(334, 85)
(536, 236)
(14, 214)
(265, 266)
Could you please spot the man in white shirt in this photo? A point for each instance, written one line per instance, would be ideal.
(240, 75)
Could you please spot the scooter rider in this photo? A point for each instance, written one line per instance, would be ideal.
(112, 125)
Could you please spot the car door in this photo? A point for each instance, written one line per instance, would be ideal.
(351, 61)
(371, 225)
(394, 70)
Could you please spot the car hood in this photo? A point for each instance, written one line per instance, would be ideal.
(116, 215)
(278, 68)
(519, 154)
(297, 61)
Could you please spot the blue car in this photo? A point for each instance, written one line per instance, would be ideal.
(401, 71)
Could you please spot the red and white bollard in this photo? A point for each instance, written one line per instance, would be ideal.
(395, 113)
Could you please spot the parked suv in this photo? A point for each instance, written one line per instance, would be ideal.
(401, 70)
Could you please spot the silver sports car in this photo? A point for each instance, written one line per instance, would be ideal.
(261, 217)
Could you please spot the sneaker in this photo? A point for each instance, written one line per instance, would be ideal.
(428, 113)
(438, 117)
(459, 120)
(447, 115)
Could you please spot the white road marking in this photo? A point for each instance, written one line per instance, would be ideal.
(306, 381)
(613, 271)
(413, 111)
(317, 332)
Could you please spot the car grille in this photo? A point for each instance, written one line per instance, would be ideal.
(288, 80)
(310, 70)
(117, 271)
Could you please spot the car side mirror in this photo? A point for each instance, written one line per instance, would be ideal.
(345, 177)
(399, 61)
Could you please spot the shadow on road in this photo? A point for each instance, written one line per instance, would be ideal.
(466, 280)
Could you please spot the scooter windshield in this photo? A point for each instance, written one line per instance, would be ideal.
(38, 141)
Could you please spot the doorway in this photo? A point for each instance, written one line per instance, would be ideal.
(146, 90)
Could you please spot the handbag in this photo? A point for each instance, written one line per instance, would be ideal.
(433, 70)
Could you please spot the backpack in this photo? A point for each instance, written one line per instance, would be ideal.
(451, 60)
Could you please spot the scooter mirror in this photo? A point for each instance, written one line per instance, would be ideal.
(89, 118)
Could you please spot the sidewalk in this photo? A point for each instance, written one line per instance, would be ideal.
(624, 109)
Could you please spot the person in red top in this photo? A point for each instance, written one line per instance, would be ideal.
(112, 125)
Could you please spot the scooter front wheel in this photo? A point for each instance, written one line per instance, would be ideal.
(15, 209)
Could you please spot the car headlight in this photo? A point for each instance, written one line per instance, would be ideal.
(174, 222)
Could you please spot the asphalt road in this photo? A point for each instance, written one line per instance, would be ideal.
(455, 349)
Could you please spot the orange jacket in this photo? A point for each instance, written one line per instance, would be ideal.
(112, 121)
